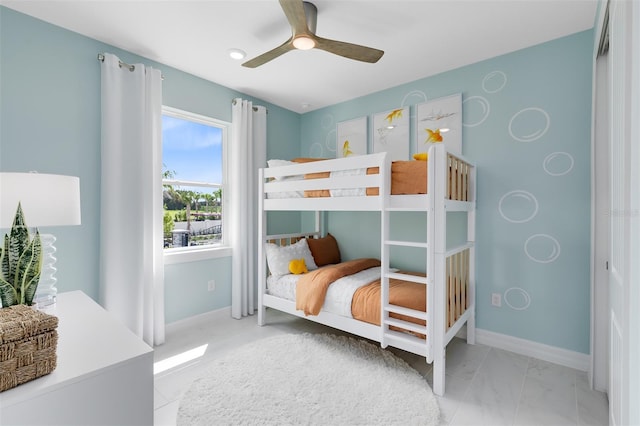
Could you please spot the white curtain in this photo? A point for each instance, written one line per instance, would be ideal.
(131, 259)
(248, 153)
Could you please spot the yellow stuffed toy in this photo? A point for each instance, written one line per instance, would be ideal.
(421, 156)
(297, 266)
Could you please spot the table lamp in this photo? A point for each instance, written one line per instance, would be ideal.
(47, 200)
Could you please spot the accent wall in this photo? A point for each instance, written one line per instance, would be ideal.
(526, 124)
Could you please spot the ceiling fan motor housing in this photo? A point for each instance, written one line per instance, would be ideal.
(311, 13)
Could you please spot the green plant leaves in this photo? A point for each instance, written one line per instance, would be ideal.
(21, 264)
(8, 294)
(4, 258)
(28, 271)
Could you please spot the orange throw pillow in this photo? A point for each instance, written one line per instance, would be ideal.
(324, 250)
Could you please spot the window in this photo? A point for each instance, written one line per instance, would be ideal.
(193, 160)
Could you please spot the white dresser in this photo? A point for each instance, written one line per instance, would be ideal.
(104, 374)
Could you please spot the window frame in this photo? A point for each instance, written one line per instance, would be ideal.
(212, 251)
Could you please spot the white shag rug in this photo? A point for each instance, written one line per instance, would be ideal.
(309, 379)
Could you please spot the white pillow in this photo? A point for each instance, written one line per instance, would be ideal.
(278, 257)
(279, 163)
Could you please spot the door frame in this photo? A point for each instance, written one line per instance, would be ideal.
(600, 232)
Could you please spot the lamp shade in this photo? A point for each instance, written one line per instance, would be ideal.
(47, 200)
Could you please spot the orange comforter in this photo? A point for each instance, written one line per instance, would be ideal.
(365, 305)
(312, 287)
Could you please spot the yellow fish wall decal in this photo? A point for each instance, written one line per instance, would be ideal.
(346, 149)
(396, 113)
(434, 135)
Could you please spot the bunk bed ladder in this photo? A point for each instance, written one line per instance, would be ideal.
(394, 324)
(406, 328)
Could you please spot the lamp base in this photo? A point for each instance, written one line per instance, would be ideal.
(45, 302)
(46, 292)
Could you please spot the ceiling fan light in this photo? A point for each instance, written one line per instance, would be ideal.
(304, 43)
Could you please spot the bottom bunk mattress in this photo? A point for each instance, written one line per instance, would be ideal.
(354, 295)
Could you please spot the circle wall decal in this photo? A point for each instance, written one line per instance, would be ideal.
(558, 163)
(518, 206)
(316, 150)
(542, 248)
(517, 298)
(529, 124)
(494, 82)
(475, 111)
(419, 96)
(327, 121)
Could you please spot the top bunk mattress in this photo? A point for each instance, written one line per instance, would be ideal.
(364, 182)
(407, 177)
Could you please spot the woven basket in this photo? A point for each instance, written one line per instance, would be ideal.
(28, 341)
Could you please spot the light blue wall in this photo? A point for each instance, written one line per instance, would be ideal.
(533, 248)
(50, 122)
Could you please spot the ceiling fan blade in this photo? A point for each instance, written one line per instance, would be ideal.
(294, 10)
(272, 54)
(349, 50)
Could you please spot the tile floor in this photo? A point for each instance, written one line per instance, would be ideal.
(485, 386)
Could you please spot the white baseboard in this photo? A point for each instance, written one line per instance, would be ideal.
(576, 360)
(572, 359)
(204, 317)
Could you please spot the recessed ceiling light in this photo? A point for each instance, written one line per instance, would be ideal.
(236, 53)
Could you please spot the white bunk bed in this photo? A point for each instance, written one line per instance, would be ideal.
(450, 272)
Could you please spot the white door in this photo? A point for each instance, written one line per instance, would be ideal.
(625, 230)
(600, 241)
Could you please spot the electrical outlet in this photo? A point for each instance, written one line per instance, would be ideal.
(211, 285)
(496, 299)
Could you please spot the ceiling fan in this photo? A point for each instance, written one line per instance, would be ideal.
(302, 17)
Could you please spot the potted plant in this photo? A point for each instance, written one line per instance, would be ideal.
(20, 264)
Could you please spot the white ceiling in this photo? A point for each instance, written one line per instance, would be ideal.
(420, 38)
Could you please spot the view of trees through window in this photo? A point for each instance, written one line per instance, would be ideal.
(192, 148)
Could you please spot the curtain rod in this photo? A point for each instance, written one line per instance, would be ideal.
(255, 108)
(123, 64)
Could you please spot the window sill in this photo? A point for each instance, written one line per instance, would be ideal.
(176, 256)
